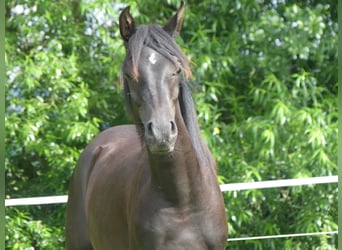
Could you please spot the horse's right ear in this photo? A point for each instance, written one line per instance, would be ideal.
(174, 25)
(127, 25)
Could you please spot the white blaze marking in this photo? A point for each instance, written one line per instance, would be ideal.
(152, 58)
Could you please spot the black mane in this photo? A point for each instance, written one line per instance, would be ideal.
(189, 115)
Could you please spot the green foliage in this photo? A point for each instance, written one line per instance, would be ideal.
(265, 85)
(268, 105)
(24, 233)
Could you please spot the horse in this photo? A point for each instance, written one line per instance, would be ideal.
(152, 184)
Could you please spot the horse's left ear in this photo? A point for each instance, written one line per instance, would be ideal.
(174, 25)
(127, 25)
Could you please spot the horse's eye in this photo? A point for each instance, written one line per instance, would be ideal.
(129, 77)
(177, 72)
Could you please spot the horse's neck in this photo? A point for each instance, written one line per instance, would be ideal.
(179, 177)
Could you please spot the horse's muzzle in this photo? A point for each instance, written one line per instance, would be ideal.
(161, 136)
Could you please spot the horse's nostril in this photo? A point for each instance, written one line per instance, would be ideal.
(149, 128)
(173, 127)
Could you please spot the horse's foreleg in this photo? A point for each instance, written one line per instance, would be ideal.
(76, 225)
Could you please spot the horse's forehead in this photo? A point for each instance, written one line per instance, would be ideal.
(154, 63)
(152, 58)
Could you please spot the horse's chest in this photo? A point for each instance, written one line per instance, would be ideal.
(169, 230)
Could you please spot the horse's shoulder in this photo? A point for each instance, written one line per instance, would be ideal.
(128, 130)
(110, 150)
(116, 134)
(120, 140)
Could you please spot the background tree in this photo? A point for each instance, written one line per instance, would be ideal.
(265, 85)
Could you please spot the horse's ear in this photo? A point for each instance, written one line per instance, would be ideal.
(126, 23)
(174, 25)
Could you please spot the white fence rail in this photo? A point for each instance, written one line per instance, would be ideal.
(44, 200)
(224, 188)
(266, 237)
(278, 183)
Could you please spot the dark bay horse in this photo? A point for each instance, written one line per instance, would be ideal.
(151, 185)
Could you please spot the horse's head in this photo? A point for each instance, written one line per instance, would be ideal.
(151, 77)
